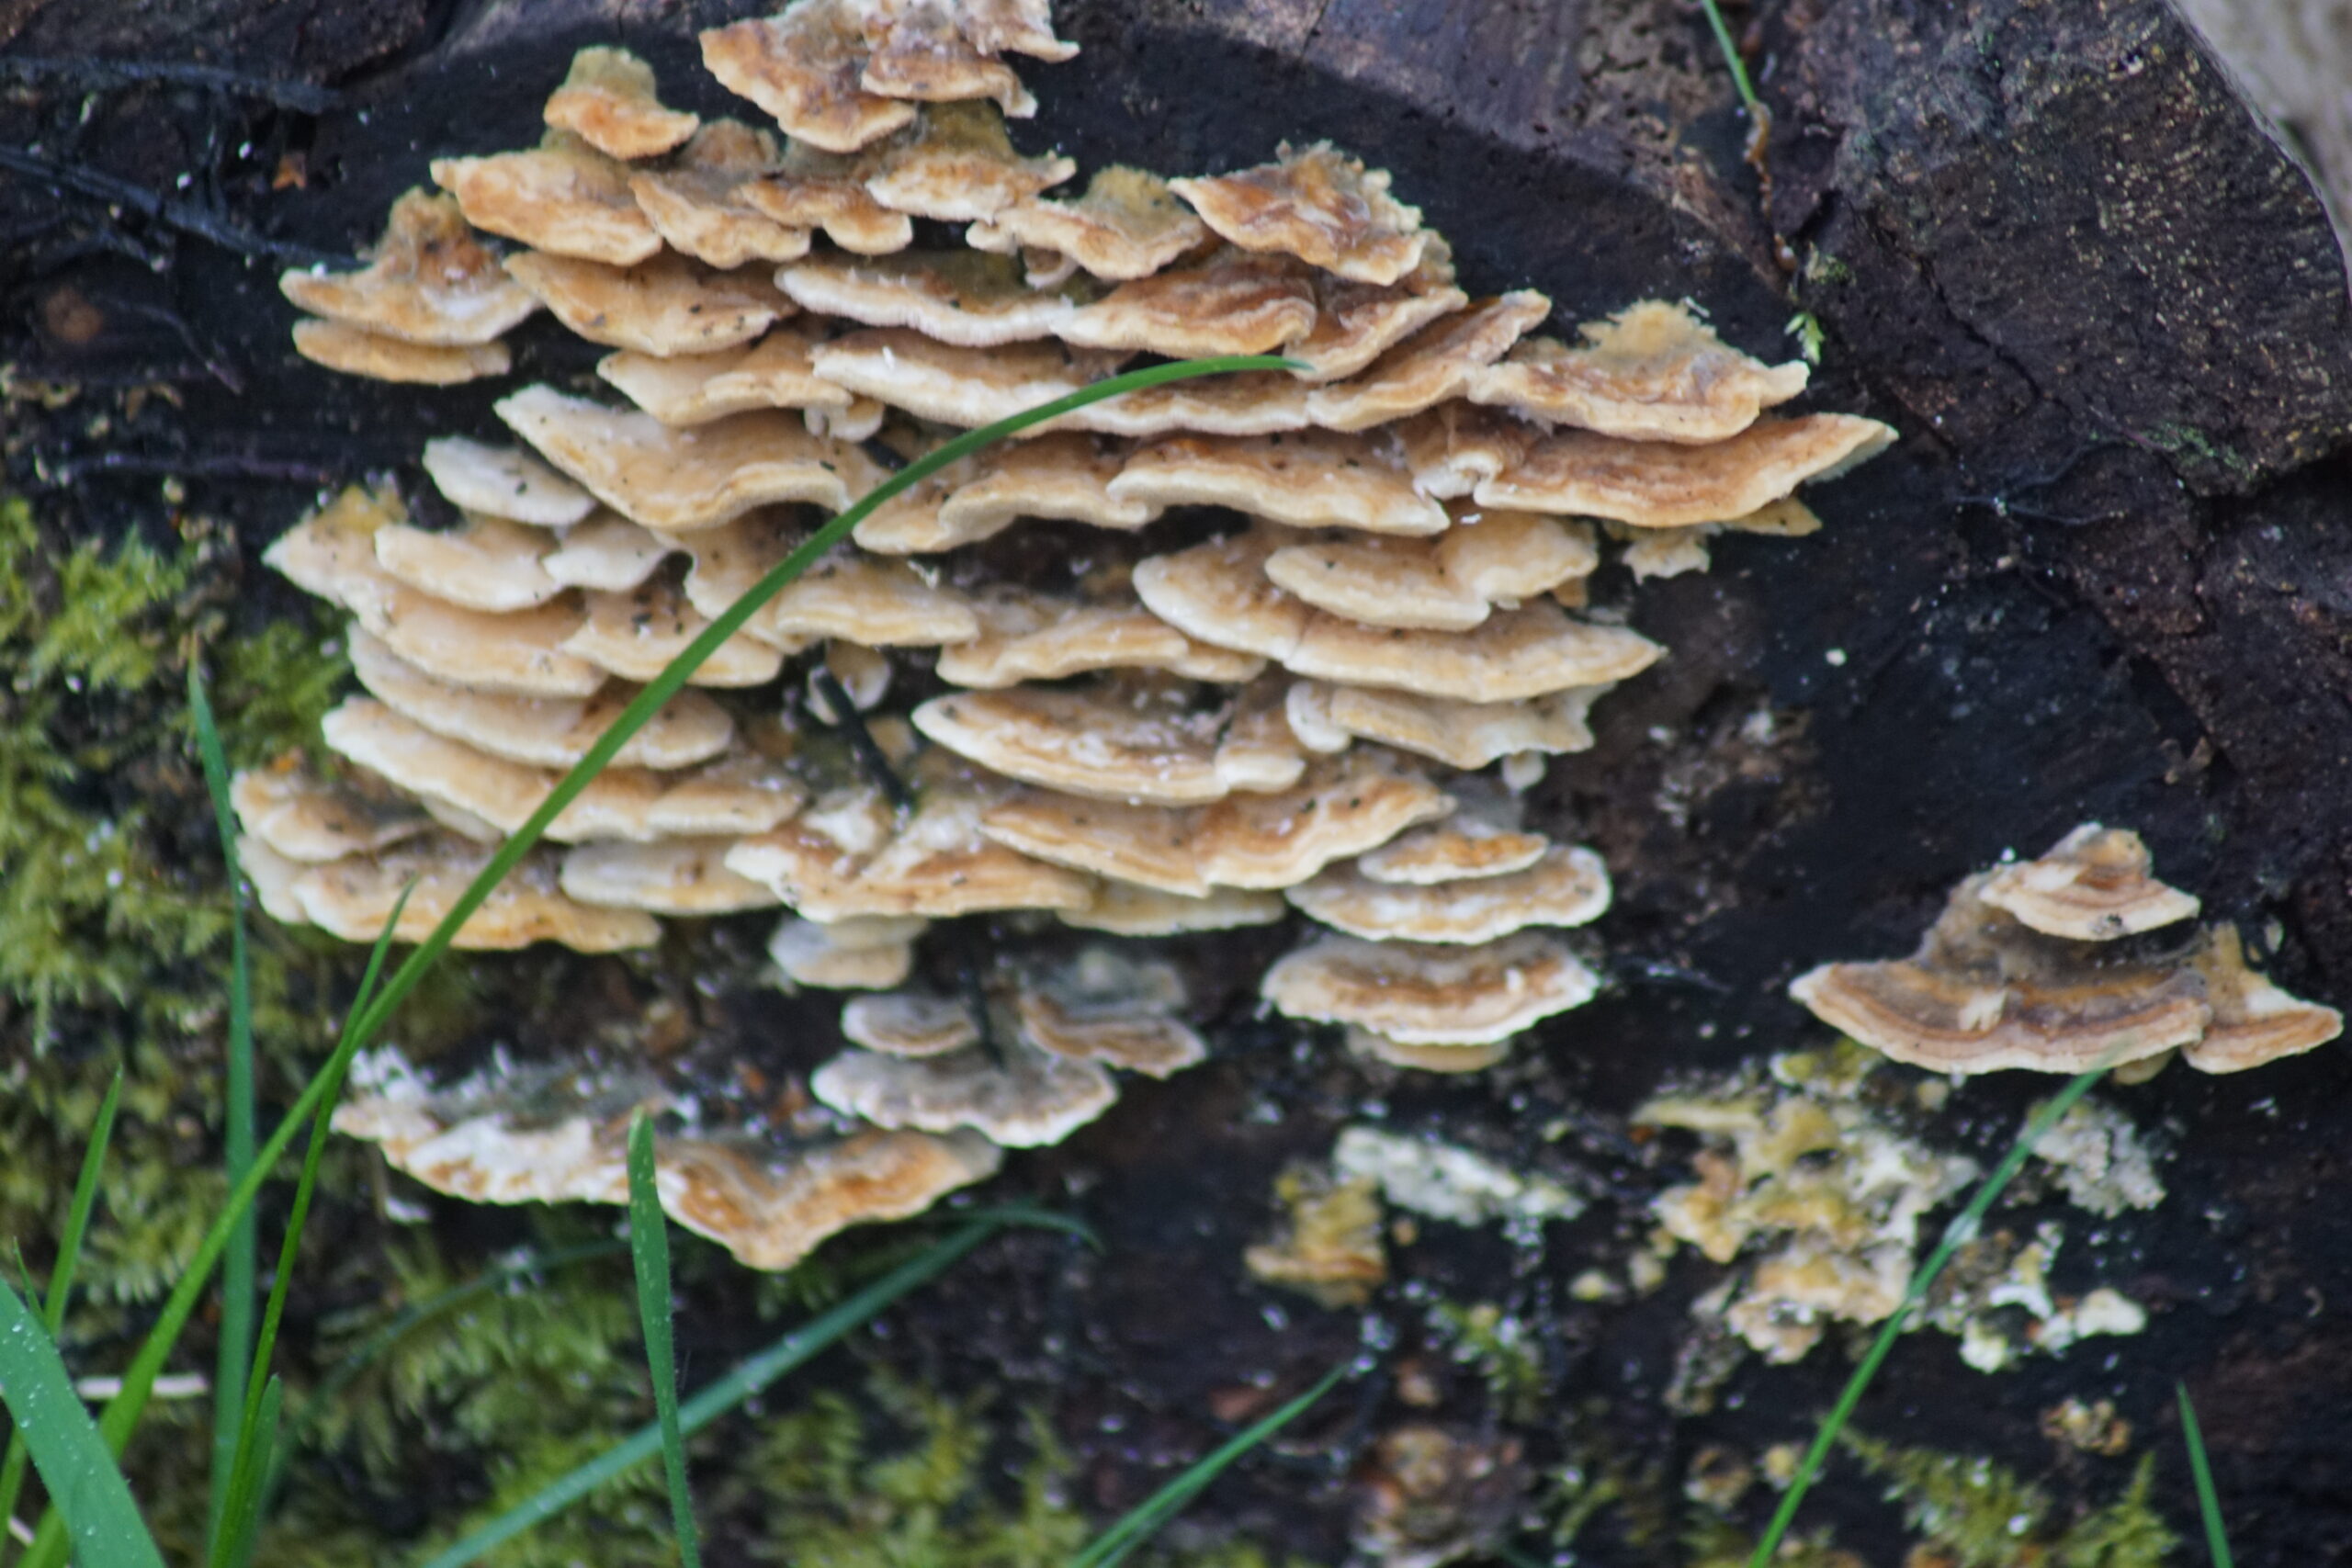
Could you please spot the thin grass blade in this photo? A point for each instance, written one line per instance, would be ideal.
(1956, 1235)
(87, 1490)
(1031, 1217)
(122, 1413)
(60, 1283)
(237, 1132)
(1147, 1518)
(2208, 1501)
(1739, 78)
(717, 1398)
(649, 1241)
(242, 1522)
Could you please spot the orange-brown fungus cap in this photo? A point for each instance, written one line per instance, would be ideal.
(1026, 636)
(1317, 204)
(428, 280)
(354, 898)
(486, 563)
(1568, 886)
(2095, 884)
(1432, 367)
(937, 864)
(694, 388)
(1253, 402)
(2253, 1021)
(1128, 225)
(958, 166)
(1100, 1006)
(1017, 1096)
(502, 481)
(827, 190)
(802, 67)
(354, 351)
(1459, 734)
(1419, 995)
(698, 203)
(1110, 739)
(310, 819)
(1663, 484)
(956, 297)
(845, 593)
(1448, 583)
(671, 876)
(916, 50)
(970, 387)
(1065, 476)
(1125, 909)
(1652, 372)
(663, 305)
(1231, 304)
(610, 102)
(1306, 480)
(562, 197)
(636, 633)
(1355, 324)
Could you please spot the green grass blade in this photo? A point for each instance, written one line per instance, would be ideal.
(122, 1413)
(243, 1519)
(2208, 1501)
(1956, 1235)
(1731, 54)
(1146, 1519)
(86, 1487)
(747, 1377)
(649, 1243)
(1029, 1215)
(61, 1284)
(237, 1134)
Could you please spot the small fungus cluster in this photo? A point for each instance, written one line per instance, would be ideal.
(1323, 695)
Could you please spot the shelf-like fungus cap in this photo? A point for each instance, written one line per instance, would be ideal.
(1459, 734)
(1447, 583)
(864, 953)
(1101, 1007)
(354, 898)
(1018, 1096)
(562, 197)
(919, 49)
(1065, 476)
(354, 351)
(968, 387)
(909, 1023)
(670, 876)
(610, 102)
(802, 67)
(1420, 995)
(1983, 993)
(1375, 1046)
(1432, 367)
(844, 594)
(2254, 1022)
(428, 280)
(1124, 908)
(486, 788)
(1480, 839)
(957, 297)
(504, 481)
(772, 1212)
(551, 732)
(1254, 403)
(1664, 484)
(1317, 204)
(310, 820)
(679, 480)
(666, 305)
(1652, 372)
(2095, 884)
(1128, 225)
(1355, 324)
(1232, 302)
(698, 203)
(605, 552)
(1568, 886)
(1257, 750)
(637, 633)
(488, 563)
(1013, 26)
(1454, 448)
(1308, 480)
(936, 863)
(813, 189)
(1110, 740)
(1026, 636)
(959, 166)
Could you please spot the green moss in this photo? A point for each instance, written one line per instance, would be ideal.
(1979, 1515)
(1502, 1349)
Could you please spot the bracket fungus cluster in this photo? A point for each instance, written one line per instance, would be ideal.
(1288, 629)
(2065, 963)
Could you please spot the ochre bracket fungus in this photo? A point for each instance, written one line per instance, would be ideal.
(1328, 619)
(2043, 966)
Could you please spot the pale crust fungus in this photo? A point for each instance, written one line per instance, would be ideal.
(1670, 552)
(354, 351)
(1099, 1006)
(1432, 367)
(1124, 908)
(697, 202)
(610, 102)
(1065, 476)
(864, 953)
(664, 306)
(429, 281)
(1027, 636)
(354, 898)
(605, 552)
(562, 197)
(936, 864)
(975, 302)
(909, 1023)
(1418, 995)
(548, 732)
(1568, 886)
(487, 563)
(825, 190)
(1329, 1249)
(1652, 372)
(1218, 592)
(636, 633)
(502, 481)
(679, 480)
(1355, 324)
(957, 166)
(1109, 740)
(1317, 204)
(1231, 304)
(2095, 884)
(1128, 225)
(1016, 1095)
(1459, 734)
(802, 67)
(1343, 806)
(1306, 480)
(310, 819)
(671, 876)
(844, 594)
(694, 388)
(1664, 484)
(1448, 583)
(967, 386)
(1373, 1046)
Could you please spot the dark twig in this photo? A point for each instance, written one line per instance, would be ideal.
(845, 717)
(304, 96)
(186, 217)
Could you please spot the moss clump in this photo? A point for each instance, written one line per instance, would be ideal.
(1979, 1515)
